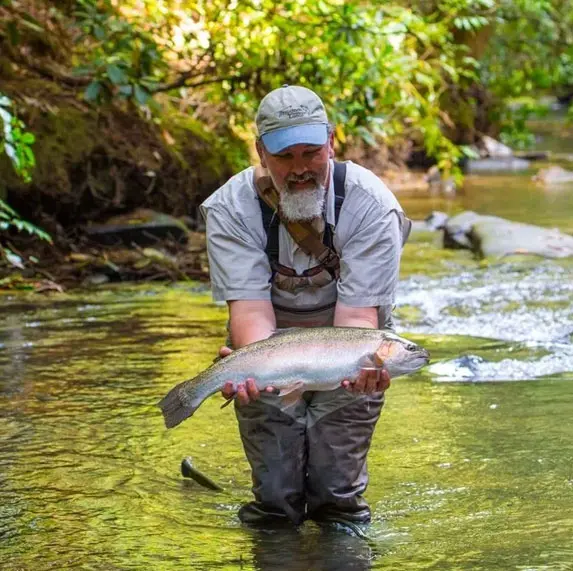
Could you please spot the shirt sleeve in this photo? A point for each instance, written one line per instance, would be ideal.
(238, 265)
(370, 259)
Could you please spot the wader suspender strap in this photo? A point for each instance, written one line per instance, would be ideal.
(303, 233)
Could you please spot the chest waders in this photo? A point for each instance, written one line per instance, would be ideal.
(304, 464)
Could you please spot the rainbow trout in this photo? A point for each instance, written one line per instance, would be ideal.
(297, 360)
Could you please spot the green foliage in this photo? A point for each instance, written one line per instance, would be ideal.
(15, 141)
(513, 123)
(383, 68)
(379, 67)
(122, 58)
(10, 218)
(532, 48)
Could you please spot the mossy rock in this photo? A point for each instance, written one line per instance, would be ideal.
(96, 162)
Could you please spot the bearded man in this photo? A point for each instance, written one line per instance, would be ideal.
(308, 455)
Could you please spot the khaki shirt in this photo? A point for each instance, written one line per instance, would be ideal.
(368, 238)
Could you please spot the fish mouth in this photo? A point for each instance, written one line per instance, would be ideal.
(419, 359)
(421, 354)
(414, 360)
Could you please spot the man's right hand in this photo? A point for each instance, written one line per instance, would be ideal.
(245, 392)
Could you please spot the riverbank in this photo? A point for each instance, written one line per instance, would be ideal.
(79, 259)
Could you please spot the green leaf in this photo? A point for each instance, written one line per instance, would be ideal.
(13, 33)
(92, 91)
(141, 94)
(116, 75)
(99, 33)
(7, 208)
(32, 24)
(126, 90)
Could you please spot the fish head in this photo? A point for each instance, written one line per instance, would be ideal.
(400, 356)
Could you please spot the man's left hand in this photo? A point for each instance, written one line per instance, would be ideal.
(368, 381)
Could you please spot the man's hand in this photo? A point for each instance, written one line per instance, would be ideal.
(246, 392)
(368, 381)
(224, 351)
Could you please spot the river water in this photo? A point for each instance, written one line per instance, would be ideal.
(471, 466)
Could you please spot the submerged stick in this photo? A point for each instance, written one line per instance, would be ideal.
(189, 471)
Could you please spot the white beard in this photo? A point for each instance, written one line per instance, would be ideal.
(302, 204)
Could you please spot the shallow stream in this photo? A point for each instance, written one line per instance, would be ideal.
(471, 466)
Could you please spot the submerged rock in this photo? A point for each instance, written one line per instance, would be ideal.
(496, 164)
(461, 368)
(142, 227)
(554, 175)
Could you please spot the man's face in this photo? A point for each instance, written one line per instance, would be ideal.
(300, 174)
(298, 167)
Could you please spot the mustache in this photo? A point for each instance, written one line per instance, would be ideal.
(306, 177)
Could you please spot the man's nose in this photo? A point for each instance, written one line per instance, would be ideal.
(299, 166)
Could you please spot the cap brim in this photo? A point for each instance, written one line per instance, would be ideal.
(278, 140)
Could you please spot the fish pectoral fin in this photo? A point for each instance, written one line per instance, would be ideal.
(291, 393)
(371, 362)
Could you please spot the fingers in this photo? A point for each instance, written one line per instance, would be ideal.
(368, 381)
(228, 390)
(242, 396)
(383, 381)
(224, 351)
(252, 390)
(371, 382)
(245, 392)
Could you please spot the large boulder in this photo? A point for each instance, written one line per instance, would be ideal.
(457, 229)
(493, 148)
(497, 238)
(492, 236)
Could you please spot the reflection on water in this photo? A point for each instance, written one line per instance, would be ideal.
(319, 551)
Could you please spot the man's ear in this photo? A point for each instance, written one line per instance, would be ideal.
(261, 153)
(331, 145)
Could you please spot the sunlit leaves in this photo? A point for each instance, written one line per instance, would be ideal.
(15, 141)
(365, 59)
(125, 60)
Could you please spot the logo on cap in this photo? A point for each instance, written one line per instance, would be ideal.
(294, 112)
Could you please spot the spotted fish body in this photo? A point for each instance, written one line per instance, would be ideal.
(298, 359)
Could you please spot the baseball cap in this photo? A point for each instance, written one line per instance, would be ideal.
(291, 115)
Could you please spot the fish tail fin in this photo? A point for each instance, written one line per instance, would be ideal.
(174, 410)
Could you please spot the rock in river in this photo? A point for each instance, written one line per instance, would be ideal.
(492, 236)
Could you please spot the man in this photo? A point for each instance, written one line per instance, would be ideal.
(308, 458)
